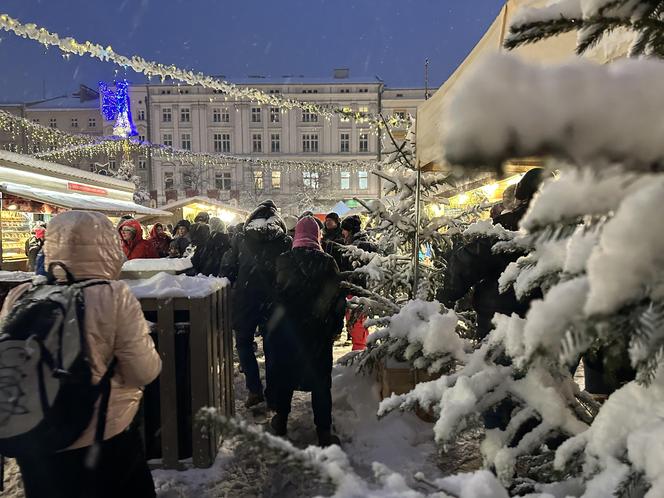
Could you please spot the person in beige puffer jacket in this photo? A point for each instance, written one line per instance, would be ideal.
(88, 245)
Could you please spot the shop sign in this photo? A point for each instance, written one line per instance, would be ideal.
(79, 187)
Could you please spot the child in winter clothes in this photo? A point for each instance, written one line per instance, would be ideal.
(133, 243)
(160, 240)
(181, 239)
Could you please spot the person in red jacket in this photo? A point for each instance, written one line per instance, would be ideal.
(133, 243)
(160, 240)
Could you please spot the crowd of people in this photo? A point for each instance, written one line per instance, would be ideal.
(286, 288)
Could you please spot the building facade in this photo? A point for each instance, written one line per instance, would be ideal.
(208, 121)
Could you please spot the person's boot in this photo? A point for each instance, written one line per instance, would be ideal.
(253, 399)
(279, 425)
(326, 438)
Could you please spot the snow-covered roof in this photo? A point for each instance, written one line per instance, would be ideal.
(171, 206)
(11, 158)
(77, 201)
(63, 102)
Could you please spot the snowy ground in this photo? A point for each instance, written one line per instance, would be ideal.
(401, 441)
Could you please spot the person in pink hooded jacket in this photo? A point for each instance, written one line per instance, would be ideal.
(89, 246)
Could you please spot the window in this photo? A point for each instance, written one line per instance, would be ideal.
(400, 114)
(344, 142)
(167, 139)
(275, 114)
(141, 114)
(35, 120)
(274, 90)
(92, 122)
(166, 115)
(276, 180)
(364, 142)
(141, 138)
(221, 142)
(111, 164)
(185, 115)
(309, 117)
(220, 115)
(142, 163)
(53, 123)
(363, 90)
(74, 122)
(309, 90)
(165, 92)
(255, 114)
(363, 180)
(310, 179)
(310, 142)
(222, 180)
(363, 110)
(187, 179)
(258, 180)
(345, 180)
(275, 144)
(186, 141)
(92, 167)
(344, 118)
(257, 142)
(169, 184)
(344, 90)
(399, 95)
(225, 142)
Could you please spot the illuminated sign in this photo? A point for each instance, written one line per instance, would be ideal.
(79, 187)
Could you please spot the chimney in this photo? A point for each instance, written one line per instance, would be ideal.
(341, 73)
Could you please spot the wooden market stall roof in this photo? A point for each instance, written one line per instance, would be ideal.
(430, 126)
(174, 209)
(63, 186)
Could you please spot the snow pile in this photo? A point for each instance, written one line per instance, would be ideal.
(164, 285)
(15, 276)
(547, 260)
(537, 110)
(629, 260)
(157, 264)
(421, 323)
(578, 193)
(486, 228)
(571, 9)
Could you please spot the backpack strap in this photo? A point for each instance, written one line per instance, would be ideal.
(92, 458)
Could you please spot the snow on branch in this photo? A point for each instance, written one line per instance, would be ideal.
(579, 111)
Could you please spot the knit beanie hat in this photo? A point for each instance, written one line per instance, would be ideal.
(182, 223)
(352, 223)
(530, 184)
(334, 217)
(307, 234)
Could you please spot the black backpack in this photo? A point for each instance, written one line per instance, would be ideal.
(47, 396)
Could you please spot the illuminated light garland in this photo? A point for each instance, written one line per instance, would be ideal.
(113, 146)
(69, 45)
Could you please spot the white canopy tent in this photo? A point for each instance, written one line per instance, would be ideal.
(430, 126)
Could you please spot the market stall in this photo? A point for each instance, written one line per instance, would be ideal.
(33, 191)
(187, 209)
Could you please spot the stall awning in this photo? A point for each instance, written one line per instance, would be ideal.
(77, 201)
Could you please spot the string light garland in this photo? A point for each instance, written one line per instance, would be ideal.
(69, 45)
(54, 144)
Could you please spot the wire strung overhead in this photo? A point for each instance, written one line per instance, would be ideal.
(54, 144)
(69, 45)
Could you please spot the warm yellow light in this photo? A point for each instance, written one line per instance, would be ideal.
(514, 180)
(489, 190)
(12, 207)
(462, 199)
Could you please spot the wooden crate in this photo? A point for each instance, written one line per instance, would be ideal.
(401, 378)
(211, 364)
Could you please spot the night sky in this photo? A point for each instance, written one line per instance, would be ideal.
(385, 38)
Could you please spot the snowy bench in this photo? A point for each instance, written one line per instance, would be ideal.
(203, 304)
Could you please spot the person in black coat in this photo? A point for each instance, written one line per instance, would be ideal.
(474, 265)
(207, 258)
(353, 235)
(307, 316)
(251, 264)
(181, 239)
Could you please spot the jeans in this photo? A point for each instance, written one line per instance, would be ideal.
(244, 342)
